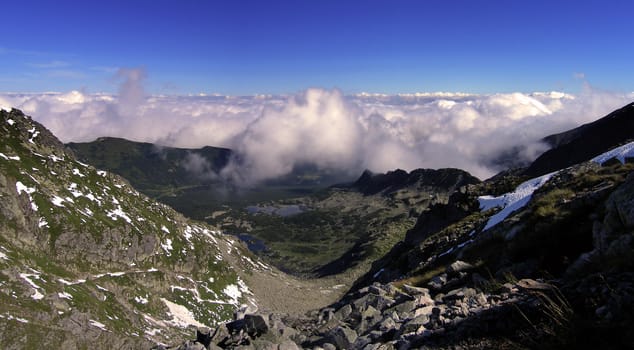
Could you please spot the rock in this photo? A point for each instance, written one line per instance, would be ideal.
(424, 300)
(438, 281)
(191, 345)
(203, 335)
(460, 293)
(329, 346)
(288, 345)
(387, 324)
(361, 342)
(415, 291)
(213, 346)
(529, 284)
(243, 310)
(343, 312)
(403, 308)
(415, 324)
(342, 337)
(220, 334)
(255, 325)
(458, 266)
(377, 301)
(264, 345)
(426, 310)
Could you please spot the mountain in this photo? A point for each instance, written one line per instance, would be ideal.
(587, 141)
(151, 168)
(86, 261)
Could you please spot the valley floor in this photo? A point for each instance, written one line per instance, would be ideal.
(287, 294)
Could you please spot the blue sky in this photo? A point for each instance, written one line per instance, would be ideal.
(247, 47)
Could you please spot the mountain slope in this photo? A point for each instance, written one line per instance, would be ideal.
(150, 168)
(587, 141)
(84, 256)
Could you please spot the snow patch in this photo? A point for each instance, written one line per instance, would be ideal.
(141, 300)
(10, 121)
(57, 201)
(78, 173)
(20, 187)
(27, 277)
(511, 201)
(620, 153)
(119, 213)
(65, 295)
(98, 324)
(167, 246)
(42, 223)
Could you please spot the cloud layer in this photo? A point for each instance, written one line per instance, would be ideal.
(274, 134)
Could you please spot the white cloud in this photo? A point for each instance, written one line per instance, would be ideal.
(323, 127)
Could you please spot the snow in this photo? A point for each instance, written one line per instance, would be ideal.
(78, 173)
(9, 157)
(101, 173)
(182, 317)
(64, 295)
(3, 256)
(98, 324)
(27, 277)
(55, 158)
(620, 153)
(233, 292)
(511, 201)
(42, 223)
(20, 187)
(167, 246)
(57, 201)
(164, 229)
(10, 121)
(141, 300)
(114, 214)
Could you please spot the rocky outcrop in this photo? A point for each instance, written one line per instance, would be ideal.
(392, 181)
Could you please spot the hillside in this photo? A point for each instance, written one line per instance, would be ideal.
(586, 141)
(85, 258)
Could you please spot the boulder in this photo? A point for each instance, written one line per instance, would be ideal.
(343, 337)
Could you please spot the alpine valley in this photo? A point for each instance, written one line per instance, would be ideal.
(115, 244)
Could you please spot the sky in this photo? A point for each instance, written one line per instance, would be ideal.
(282, 47)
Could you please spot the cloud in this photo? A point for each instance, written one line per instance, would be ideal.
(199, 166)
(338, 133)
(50, 65)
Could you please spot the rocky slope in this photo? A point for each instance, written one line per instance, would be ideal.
(87, 261)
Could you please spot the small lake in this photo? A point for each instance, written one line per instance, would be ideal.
(254, 244)
(282, 210)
